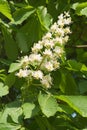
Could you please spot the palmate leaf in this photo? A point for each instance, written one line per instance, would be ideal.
(32, 31)
(47, 104)
(5, 9)
(78, 103)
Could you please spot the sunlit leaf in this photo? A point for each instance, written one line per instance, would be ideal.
(28, 109)
(14, 67)
(48, 104)
(78, 103)
(3, 90)
(9, 126)
(5, 9)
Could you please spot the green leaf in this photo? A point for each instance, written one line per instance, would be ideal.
(14, 111)
(5, 61)
(22, 40)
(5, 9)
(35, 27)
(9, 126)
(36, 3)
(65, 108)
(44, 17)
(56, 79)
(84, 11)
(74, 6)
(2, 75)
(10, 45)
(40, 123)
(28, 110)
(83, 86)
(78, 103)
(10, 79)
(79, 7)
(76, 66)
(82, 5)
(67, 84)
(22, 14)
(48, 104)
(14, 67)
(34, 33)
(3, 90)
(57, 7)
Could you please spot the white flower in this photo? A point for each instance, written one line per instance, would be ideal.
(61, 23)
(59, 32)
(48, 77)
(37, 74)
(53, 27)
(48, 43)
(25, 61)
(66, 14)
(47, 81)
(48, 52)
(48, 66)
(58, 51)
(67, 30)
(58, 40)
(67, 21)
(56, 64)
(22, 73)
(47, 36)
(61, 16)
(65, 39)
(35, 58)
(64, 19)
(37, 47)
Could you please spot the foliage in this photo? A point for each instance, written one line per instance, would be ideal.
(26, 106)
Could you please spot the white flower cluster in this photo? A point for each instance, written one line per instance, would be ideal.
(46, 54)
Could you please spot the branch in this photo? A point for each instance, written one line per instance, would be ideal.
(77, 46)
